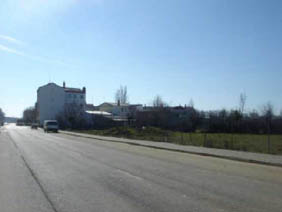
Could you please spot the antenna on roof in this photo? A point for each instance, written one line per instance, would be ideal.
(49, 76)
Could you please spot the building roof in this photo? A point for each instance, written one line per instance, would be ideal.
(73, 90)
(135, 105)
(98, 113)
(90, 107)
(66, 89)
(113, 104)
(50, 83)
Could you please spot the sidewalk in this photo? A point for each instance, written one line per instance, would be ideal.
(265, 159)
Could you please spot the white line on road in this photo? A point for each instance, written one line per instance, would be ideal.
(129, 174)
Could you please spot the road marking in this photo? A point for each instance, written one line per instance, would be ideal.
(129, 174)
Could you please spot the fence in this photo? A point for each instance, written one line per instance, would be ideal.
(244, 142)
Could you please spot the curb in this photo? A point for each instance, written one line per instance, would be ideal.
(181, 151)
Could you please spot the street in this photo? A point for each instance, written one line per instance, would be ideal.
(56, 172)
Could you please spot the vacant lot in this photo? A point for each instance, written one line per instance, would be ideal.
(244, 142)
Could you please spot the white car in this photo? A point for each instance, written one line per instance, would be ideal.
(51, 125)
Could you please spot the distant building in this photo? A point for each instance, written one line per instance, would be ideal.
(120, 111)
(52, 99)
(90, 107)
(114, 108)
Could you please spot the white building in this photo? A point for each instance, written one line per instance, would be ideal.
(120, 111)
(52, 99)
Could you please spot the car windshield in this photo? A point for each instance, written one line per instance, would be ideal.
(52, 123)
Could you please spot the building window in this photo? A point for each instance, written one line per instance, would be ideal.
(69, 95)
(81, 96)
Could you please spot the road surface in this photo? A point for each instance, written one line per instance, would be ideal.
(54, 172)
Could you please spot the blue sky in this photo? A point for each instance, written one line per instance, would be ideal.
(206, 50)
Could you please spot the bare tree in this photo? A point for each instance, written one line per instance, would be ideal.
(254, 114)
(267, 112)
(29, 115)
(72, 116)
(242, 102)
(158, 102)
(2, 116)
(121, 95)
(191, 103)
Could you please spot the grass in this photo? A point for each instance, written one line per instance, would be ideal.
(242, 142)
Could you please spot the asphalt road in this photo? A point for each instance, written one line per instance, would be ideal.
(55, 172)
